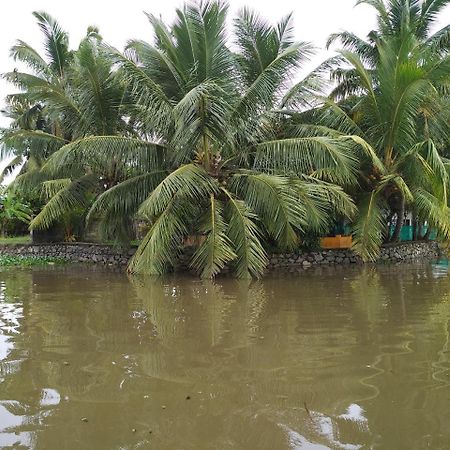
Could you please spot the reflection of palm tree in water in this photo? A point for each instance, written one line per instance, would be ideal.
(179, 307)
(198, 323)
(182, 334)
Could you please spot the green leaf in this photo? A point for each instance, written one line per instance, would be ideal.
(100, 152)
(162, 245)
(274, 201)
(124, 199)
(245, 236)
(190, 179)
(71, 196)
(433, 210)
(369, 229)
(216, 250)
(331, 159)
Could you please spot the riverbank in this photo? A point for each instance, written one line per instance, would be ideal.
(29, 261)
(102, 254)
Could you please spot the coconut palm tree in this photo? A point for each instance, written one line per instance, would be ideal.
(398, 19)
(392, 91)
(207, 157)
(35, 132)
(61, 103)
(98, 94)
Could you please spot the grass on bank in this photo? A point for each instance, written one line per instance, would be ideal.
(15, 240)
(29, 261)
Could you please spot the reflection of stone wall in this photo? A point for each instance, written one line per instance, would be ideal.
(105, 254)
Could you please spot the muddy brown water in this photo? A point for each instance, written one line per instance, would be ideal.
(350, 358)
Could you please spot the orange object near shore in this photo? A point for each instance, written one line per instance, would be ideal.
(337, 241)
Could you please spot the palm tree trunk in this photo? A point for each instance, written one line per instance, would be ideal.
(399, 224)
(415, 229)
(388, 227)
(426, 236)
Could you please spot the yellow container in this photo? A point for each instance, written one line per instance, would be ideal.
(337, 241)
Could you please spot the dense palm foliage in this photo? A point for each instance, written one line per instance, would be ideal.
(63, 103)
(199, 140)
(32, 119)
(12, 209)
(393, 91)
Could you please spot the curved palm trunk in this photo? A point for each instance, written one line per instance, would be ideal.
(419, 230)
(387, 235)
(399, 224)
(415, 228)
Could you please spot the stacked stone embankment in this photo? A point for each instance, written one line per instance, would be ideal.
(111, 256)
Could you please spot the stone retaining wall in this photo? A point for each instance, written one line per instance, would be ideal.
(76, 252)
(108, 255)
(404, 252)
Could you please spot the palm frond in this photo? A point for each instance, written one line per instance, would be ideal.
(400, 184)
(30, 178)
(145, 92)
(334, 116)
(439, 42)
(162, 246)
(158, 68)
(433, 210)
(306, 93)
(434, 159)
(99, 92)
(330, 158)
(429, 13)
(40, 90)
(124, 199)
(351, 42)
(323, 202)
(272, 198)
(101, 151)
(202, 112)
(245, 236)
(260, 94)
(21, 51)
(10, 167)
(56, 42)
(51, 187)
(216, 251)
(190, 179)
(369, 228)
(70, 196)
(364, 76)
(35, 140)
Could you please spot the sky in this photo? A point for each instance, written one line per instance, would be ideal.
(120, 20)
